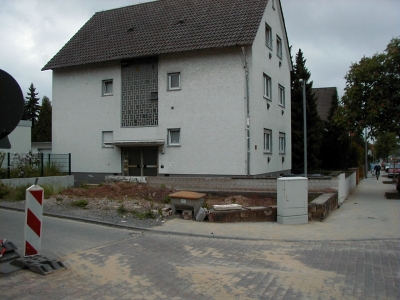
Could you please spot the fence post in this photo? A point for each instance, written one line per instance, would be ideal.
(69, 163)
(42, 164)
(8, 165)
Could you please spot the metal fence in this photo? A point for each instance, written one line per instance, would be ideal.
(61, 161)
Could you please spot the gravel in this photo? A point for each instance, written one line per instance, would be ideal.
(102, 210)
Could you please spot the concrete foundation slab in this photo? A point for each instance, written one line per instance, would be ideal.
(293, 220)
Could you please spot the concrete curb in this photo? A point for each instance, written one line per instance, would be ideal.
(182, 233)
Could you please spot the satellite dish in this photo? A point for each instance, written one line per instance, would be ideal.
(11, 107)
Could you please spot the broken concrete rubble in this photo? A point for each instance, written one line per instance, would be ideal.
(187, 214)
(227, 207)
(248, 214)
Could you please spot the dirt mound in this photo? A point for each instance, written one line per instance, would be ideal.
(121, 191)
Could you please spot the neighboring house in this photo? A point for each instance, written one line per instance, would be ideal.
(176, 88)
(324, 100)
(20, 138)
(41, 147)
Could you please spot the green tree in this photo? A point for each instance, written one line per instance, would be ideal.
(386, 145)
(314, 123)
(372, 93)
(356, 151)
(336, 146)
(31, 109)
(42, 130)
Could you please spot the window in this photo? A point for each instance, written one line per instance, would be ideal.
(278, 46)
(267, 140)
(108, 139)
(267, 87)
(268, 36)
(153, 95)
(174, 137)
(281, 95)
(107, 87)
(174, 81)
(282, 142)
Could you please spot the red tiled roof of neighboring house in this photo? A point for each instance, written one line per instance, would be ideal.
(162, 26)
(323, 97)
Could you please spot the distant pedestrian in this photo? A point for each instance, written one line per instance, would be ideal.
(371, 167)
(377, 170)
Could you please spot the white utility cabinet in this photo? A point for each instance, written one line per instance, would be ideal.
(292, 200)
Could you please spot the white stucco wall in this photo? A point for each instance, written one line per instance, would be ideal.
(20, 138)
(209, 109)
(276, 117)
(81, 113)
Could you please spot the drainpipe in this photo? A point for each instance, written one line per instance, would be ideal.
(246, 69)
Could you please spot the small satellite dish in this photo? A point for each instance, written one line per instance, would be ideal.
(11, 107)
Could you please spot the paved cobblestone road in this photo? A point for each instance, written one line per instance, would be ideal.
(153, 266)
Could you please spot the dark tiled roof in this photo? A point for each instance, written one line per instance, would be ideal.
(324, 100)
(162, 26)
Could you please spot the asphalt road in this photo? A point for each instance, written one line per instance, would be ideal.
(60, 237)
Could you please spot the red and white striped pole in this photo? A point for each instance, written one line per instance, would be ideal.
(34, 216)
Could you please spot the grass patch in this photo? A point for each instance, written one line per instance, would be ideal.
(4, 190)
(206, 205)
(121, 210)
(80, 203)
(167, 199)
(148, 214)
(18, 193)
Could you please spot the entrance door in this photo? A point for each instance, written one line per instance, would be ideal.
(141, 161)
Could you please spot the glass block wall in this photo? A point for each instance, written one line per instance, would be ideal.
(139, 92)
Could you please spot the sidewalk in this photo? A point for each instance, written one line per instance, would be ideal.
(365, 215)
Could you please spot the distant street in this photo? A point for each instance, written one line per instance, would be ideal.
(105, 263)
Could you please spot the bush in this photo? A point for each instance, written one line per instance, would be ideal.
(28, 165)
(52, 169)
(18, 193)
(4, 190)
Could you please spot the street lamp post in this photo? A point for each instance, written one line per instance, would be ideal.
(366, 154)
(303, 82)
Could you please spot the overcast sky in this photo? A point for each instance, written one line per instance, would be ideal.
(331, 34)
